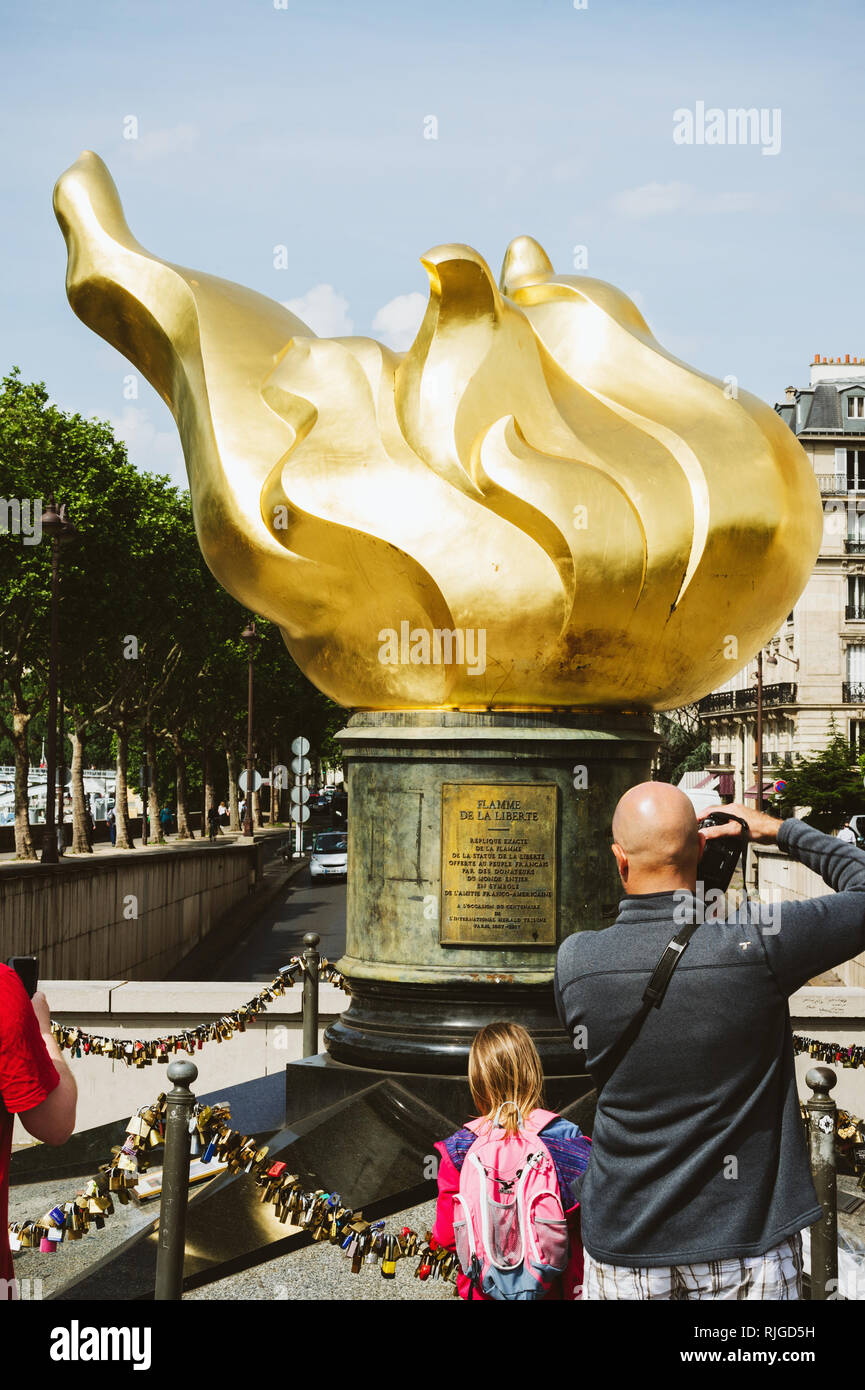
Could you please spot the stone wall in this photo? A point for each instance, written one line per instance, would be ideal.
(120, 916)
(109, 1090)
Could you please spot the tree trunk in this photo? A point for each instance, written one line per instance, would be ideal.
(233, 774)
(155, 827)
(121, 790)
(80, 827)
(208, 799)
(183, 830)
(23, 840)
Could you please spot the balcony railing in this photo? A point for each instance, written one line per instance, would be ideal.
(780, 693)
(853, 692)
(855, 611)
(832, 482)
(854, 545)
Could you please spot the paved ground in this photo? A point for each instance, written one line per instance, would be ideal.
(322, 1273)
(278, 934)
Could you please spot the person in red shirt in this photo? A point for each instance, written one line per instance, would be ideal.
(35, 1083)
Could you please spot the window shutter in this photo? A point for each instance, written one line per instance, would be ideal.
(856, 664)
(841, 470)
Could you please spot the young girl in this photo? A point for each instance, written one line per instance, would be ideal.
(506, 1082)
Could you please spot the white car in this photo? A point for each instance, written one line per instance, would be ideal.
(329, 857)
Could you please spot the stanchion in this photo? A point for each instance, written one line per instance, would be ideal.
(310, 994)
(175, 1182)
(821, 1139)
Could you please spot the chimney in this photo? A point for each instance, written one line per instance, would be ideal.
(790, 393)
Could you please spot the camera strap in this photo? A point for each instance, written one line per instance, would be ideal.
(653, 997)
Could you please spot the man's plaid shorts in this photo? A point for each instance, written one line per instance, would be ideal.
(776, 1275)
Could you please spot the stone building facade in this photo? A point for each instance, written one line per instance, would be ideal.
(814, 666)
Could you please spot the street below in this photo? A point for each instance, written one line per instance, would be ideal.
(305, 906)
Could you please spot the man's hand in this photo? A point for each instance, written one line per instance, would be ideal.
(763, 829)
(42, 1011)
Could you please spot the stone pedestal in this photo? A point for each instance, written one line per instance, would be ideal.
(477, 843)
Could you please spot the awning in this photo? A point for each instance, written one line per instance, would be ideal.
(767, 787)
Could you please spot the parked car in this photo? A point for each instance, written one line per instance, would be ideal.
(329, 857)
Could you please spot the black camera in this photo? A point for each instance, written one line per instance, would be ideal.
(721, 853)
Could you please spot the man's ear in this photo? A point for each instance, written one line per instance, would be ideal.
(622, 862)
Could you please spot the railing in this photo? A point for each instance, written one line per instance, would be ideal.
(832, 482)
(855, 611)
(853, 692)
(854, 545)
(781, 693)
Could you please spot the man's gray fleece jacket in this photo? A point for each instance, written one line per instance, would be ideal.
(698, 1149)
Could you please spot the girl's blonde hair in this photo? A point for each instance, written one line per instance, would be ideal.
(505, 1070)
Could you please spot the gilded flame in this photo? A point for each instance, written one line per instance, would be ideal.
(624, 531)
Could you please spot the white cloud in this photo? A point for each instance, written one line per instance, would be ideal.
(398, 321)
(156, 144)
(324, 310)
(653, 198)
(151, 450)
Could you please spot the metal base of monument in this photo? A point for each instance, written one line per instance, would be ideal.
(477, 842)
(429, 1028)
(315, 1083)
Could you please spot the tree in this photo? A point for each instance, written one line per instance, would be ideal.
(683, 747)
(44, 451)
(829, 782)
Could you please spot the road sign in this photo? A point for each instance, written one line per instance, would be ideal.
(256, 781)
(300, 746)
(300, 813)
(300, 767)
(300, 795)
(780, 785)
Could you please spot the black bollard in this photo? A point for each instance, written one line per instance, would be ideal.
(310, 994)
(821, 1140)
(175, 1182)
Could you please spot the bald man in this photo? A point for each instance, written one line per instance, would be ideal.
(699, 1183)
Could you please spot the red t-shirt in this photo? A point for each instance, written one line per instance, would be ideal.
(27, 1076)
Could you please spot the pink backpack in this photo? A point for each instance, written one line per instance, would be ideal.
(509, 1226)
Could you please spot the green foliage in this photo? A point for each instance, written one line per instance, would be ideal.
(147, 636)
(829, 782)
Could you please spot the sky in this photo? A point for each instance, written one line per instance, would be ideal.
(357, 136)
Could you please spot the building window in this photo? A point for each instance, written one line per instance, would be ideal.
(856, 407)
(857, 736)
(855, 470)
(856, 596)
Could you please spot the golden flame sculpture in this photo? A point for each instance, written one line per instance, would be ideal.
(535, 506)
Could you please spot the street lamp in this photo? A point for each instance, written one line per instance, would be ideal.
(250, 637)
(56, 525)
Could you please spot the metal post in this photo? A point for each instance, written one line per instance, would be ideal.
(49, 844)
(175, 1182)
(760, 730)
(821, 1137)
(310, 994)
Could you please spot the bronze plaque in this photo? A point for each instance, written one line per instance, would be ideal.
(498, 864)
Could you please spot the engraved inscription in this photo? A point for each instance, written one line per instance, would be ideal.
(498, 864)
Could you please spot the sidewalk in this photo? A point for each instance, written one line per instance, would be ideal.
(228, 837)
